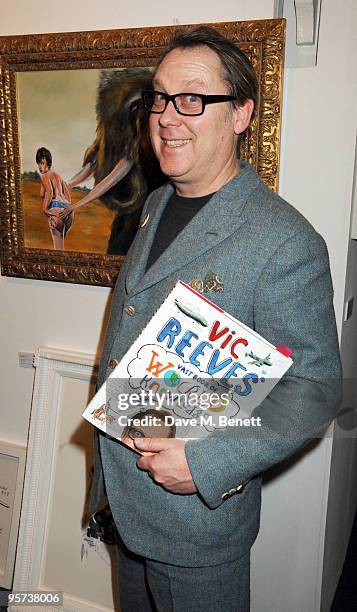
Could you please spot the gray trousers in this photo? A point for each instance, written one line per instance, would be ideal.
(150, 586)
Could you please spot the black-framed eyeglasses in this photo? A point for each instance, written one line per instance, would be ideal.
(186, 103)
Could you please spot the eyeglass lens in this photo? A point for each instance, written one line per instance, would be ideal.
(187, 103)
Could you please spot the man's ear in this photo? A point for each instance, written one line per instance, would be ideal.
(242, 116)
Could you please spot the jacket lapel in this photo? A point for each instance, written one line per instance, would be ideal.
(219, 218)
(144, 238)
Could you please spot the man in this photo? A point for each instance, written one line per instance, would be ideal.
(188, 513)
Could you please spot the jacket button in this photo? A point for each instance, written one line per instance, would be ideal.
(113, 363)
(233, 491)
(130, 310)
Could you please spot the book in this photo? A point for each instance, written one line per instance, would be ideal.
(194, 369)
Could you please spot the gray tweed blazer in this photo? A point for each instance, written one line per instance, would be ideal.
(275, 271)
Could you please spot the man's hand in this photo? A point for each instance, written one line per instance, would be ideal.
(167, 465)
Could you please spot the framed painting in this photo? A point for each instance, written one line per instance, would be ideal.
(73, 133)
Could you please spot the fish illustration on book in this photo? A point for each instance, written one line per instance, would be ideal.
(191, 313)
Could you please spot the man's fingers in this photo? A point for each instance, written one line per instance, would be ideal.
(144, 463)
(154, 445)
(150, 447)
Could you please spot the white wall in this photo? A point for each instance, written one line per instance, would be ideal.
(316, 177)
(36, 313)
(28, 17)
(319, 135)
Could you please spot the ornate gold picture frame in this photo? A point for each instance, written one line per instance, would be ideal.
(43, 101)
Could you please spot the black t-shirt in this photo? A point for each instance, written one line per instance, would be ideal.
(177, 214)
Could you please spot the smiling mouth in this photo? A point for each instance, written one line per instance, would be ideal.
(175, 143)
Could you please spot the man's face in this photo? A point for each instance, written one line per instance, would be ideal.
(43, 166)
(159, 430)
(198, 153)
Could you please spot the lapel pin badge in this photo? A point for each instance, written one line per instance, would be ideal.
(196, 284)
(211, 283)
(145, 220)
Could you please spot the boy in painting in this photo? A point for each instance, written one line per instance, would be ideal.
(56, 198)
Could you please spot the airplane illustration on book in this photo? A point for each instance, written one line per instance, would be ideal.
(259, 361)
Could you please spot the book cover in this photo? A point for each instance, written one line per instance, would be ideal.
(192, 370)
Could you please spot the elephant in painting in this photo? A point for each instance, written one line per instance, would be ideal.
(121, 158)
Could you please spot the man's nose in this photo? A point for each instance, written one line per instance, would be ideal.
(170, 116)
